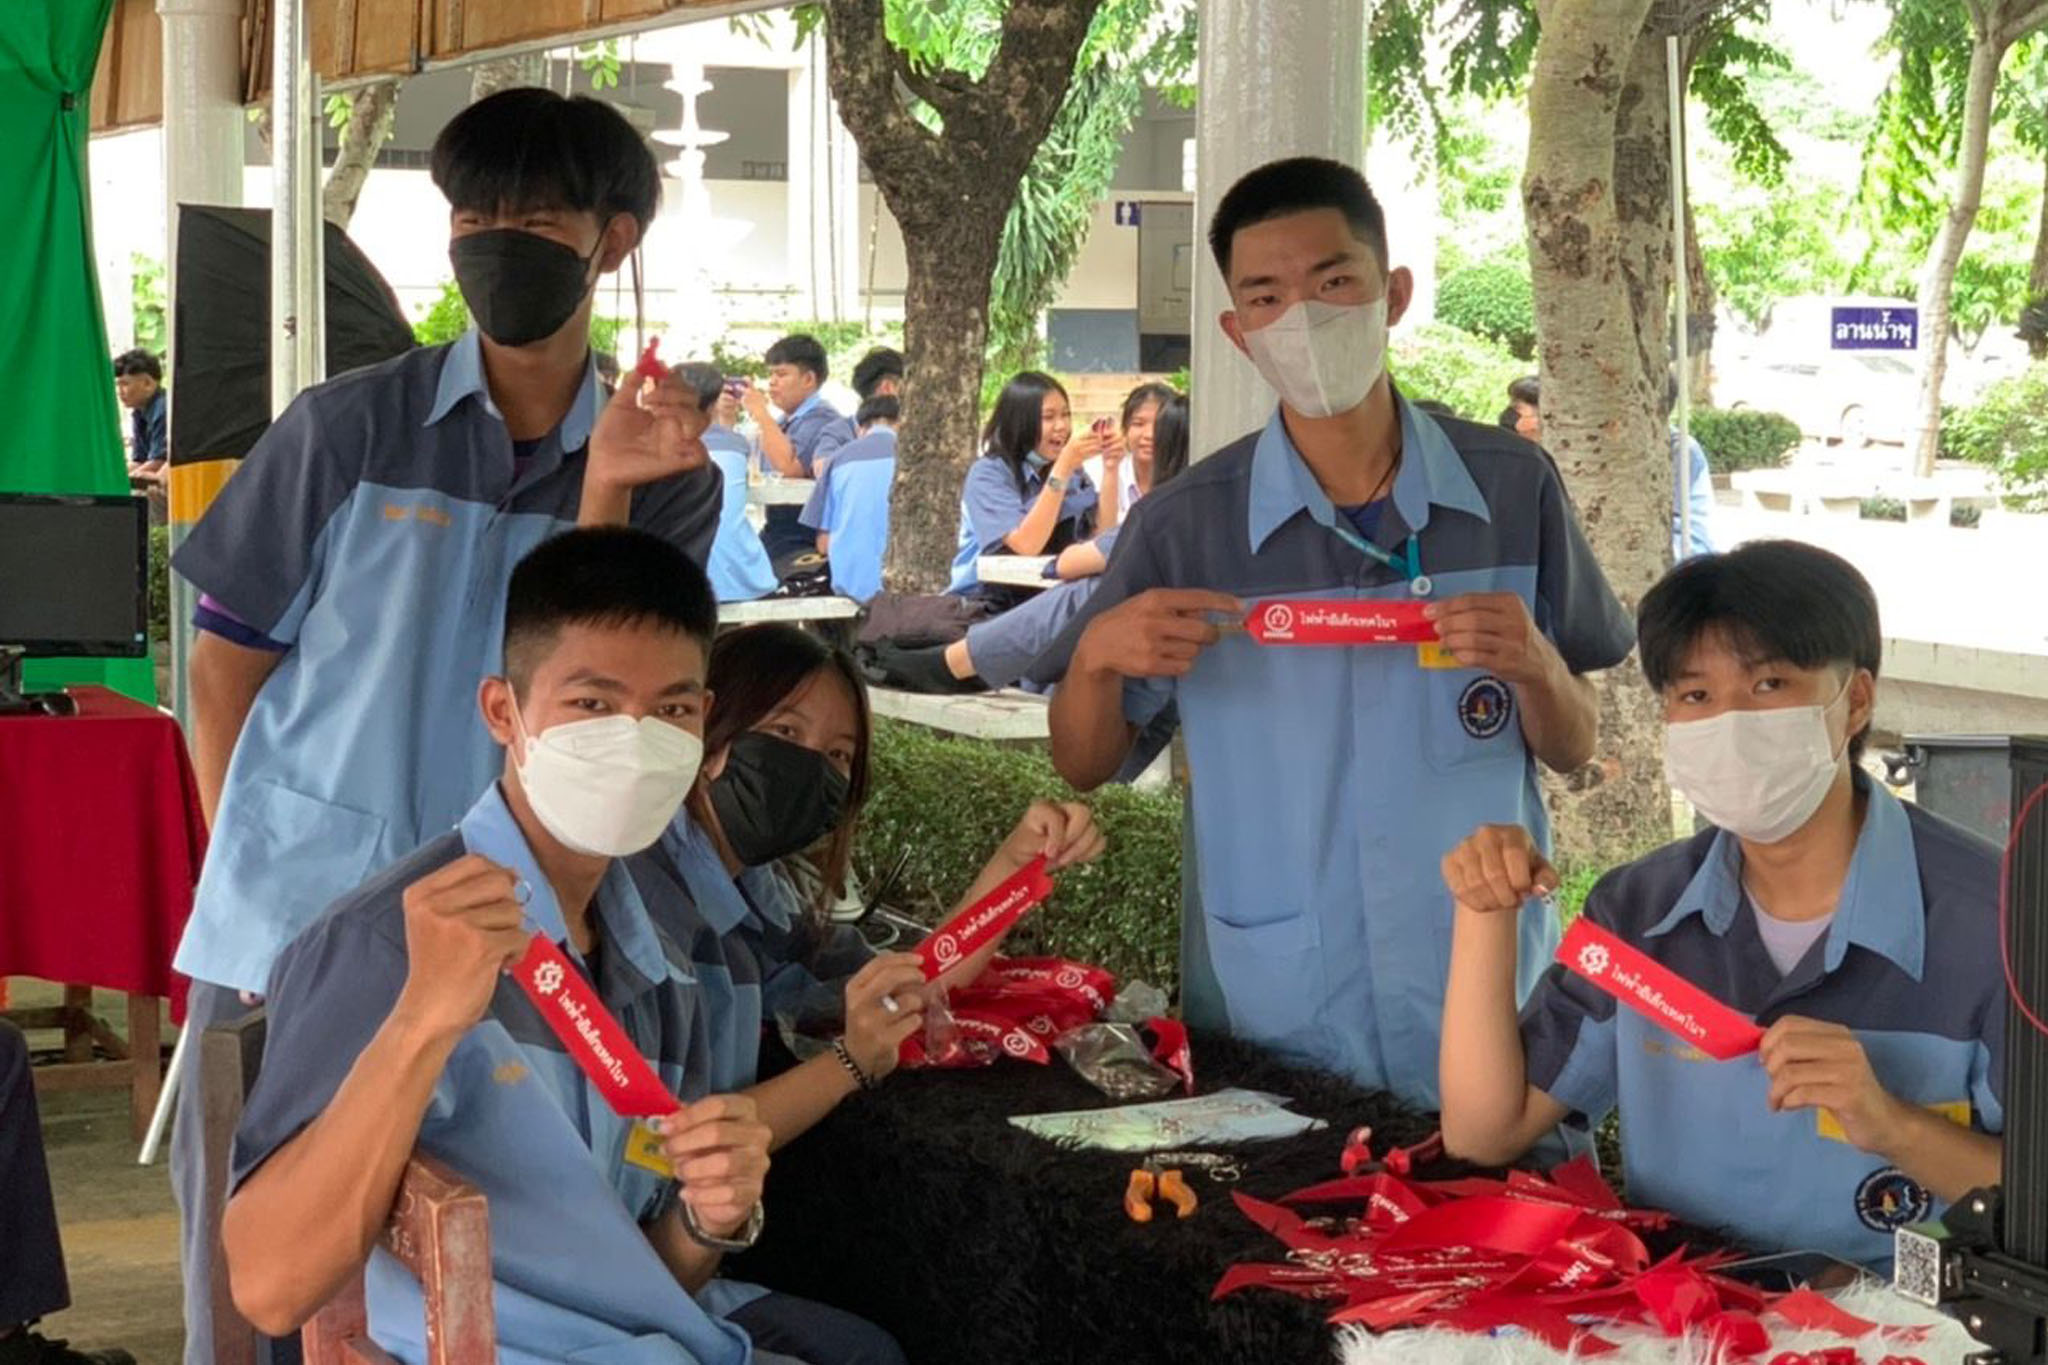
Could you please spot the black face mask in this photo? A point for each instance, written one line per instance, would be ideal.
(520, 287)
(776, 798)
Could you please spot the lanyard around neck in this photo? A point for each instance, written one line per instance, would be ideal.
(1408, 563)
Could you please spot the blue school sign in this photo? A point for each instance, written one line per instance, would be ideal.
(1874, 329)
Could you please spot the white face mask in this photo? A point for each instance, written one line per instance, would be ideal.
(1322, 358)
(1760, 775)
(608, 786)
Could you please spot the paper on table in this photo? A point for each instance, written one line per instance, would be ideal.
(1227, 1116)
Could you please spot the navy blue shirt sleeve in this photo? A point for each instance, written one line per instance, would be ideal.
(683, 511)
(260, 551)
(1574, 605)
(329, 993)
(817, 508)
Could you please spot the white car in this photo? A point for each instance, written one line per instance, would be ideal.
(1851, 397)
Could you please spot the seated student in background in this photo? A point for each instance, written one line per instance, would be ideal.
(1027, 494)
(393, 1025)
(996, 652)
(739, 569)
(1123, 471)
(879, 374)
(786, 772)
(849, 509)
(809, 431)
(1524, 412)
(139, 384)
(1862, 932)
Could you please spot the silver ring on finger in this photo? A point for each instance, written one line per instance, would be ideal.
(889, 1004)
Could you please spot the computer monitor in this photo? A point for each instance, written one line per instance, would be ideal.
(74, 579)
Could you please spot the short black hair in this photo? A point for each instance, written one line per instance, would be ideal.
(528, 148)
(872, 368)
(602, 576)
(1528, 389)
(1298, 185)
(1767, 600)
(882, 407)
(801, 350)
(704, 379)
(139, 361)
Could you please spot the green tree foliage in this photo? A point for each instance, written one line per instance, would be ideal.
(2007, 429)
(1764, 243)
(1467, 374)
(147, 300)
(1491, 300)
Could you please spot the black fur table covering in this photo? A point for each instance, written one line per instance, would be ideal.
(922, 1209)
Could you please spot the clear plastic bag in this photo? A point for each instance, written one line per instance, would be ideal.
(1115, 1059)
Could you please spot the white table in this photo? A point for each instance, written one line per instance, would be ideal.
(787, 609)
(773, 490)
(1016, 571)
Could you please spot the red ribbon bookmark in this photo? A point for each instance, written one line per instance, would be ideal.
(1340, 621)
(596, 1041)
(961, 936)
(1656, 992)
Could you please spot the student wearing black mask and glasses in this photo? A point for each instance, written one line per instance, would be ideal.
(786, 773)
(362, 551)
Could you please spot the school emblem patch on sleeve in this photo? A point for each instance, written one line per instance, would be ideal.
(1889, 1199)
(1485, 707)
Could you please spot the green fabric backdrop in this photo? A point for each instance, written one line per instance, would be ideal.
(62, 433)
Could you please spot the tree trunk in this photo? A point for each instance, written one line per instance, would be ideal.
(1937, 286)
(2037, 276)
(488, 78)
(372, 111)
(945, 330)
(949, 191)
(1588, 110)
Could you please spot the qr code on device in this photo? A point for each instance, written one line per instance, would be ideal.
(1916, 1269)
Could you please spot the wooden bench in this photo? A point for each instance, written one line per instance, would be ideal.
(1016, 571)
(439, 1230)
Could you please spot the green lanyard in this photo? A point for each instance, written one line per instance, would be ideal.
(1409, 565)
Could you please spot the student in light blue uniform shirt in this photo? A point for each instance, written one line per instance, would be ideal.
(810, 431)
(352, 572)
(1861, 932)
(739, 567)
(849, 509)
(786, 772)
(1026, 494)
(393, 1027)
(1327, 783)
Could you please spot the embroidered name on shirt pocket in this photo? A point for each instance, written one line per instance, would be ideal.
(433, 516)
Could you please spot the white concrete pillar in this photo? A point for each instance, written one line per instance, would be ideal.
(294, 206)
(202, 151)
(1274, 78)
(822, 195)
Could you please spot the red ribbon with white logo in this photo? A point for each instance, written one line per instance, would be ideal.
(1340, 621)
(1657, 993)
(596, 1041)
(981, 923)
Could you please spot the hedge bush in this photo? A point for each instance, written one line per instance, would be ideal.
(1744, 440)
(2007, 428)
(1493, 300)
(159, 584)
(946, 803)
(1468, 374)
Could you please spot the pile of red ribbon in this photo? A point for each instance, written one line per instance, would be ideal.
(1546, 1255)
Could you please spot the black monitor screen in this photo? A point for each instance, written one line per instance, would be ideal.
(72, 575)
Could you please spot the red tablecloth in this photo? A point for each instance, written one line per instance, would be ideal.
(100, 842)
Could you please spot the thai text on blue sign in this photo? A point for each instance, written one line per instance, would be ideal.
(1874, 329)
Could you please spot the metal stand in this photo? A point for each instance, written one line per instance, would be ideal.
(1986, 1263)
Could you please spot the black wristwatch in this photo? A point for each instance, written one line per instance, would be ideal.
(744, 1241)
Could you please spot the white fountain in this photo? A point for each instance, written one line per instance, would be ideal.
(694, 246)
